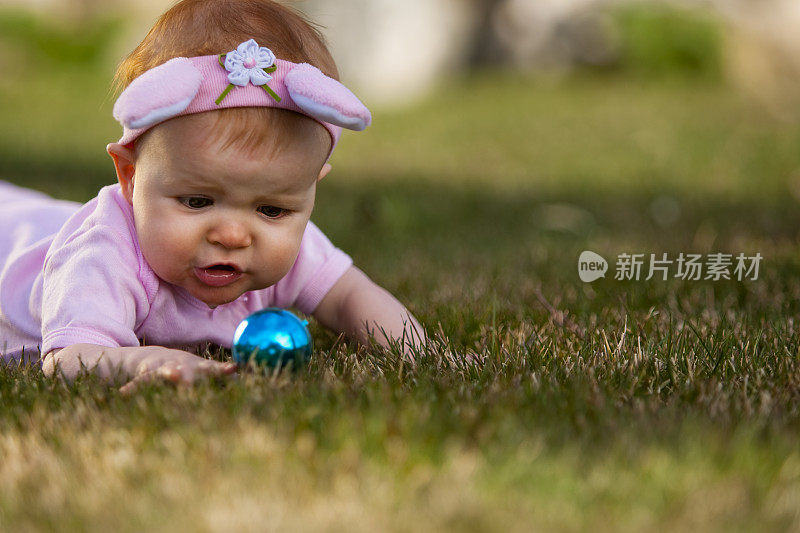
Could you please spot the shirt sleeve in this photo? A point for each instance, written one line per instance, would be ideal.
(91, 289)
(318, 267)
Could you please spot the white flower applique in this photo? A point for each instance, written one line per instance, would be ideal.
(249, 63)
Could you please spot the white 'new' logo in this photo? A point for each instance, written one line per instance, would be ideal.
(591, 266)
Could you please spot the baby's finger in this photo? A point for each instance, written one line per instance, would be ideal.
(215, 368)
(168, 374)
(186, 374)
(224, 369)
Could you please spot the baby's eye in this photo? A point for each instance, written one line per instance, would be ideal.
(270, 211)
(196, 202)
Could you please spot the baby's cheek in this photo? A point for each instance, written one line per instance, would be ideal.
(163, 247)
(281, 257)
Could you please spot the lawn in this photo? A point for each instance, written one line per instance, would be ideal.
(543, 402)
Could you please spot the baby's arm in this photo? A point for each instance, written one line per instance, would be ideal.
(359, 308)
(134, 364)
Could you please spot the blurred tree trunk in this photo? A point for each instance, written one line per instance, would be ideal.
(485, 47)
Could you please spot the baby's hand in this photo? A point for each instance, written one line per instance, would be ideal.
(137, 364)
(175, 366)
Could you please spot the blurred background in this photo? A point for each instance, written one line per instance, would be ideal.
(57, 58)
(395, 52)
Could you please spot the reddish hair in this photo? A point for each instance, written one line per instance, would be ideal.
(204, 27)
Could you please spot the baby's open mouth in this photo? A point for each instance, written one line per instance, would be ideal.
(227, 268)
(218, 275)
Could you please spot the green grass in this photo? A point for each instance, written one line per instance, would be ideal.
(544, 403)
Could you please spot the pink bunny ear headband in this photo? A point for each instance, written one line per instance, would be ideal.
(249, 76)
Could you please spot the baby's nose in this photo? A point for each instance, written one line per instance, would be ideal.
(230, 234)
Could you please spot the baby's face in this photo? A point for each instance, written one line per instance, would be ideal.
(221, 222)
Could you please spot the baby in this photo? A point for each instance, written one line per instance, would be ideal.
(230, 112)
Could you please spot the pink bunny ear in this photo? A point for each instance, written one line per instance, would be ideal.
(326, 99)
(159, 94)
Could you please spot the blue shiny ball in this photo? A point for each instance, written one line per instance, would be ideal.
(272, 337)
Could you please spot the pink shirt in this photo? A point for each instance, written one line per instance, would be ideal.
(75, 274)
